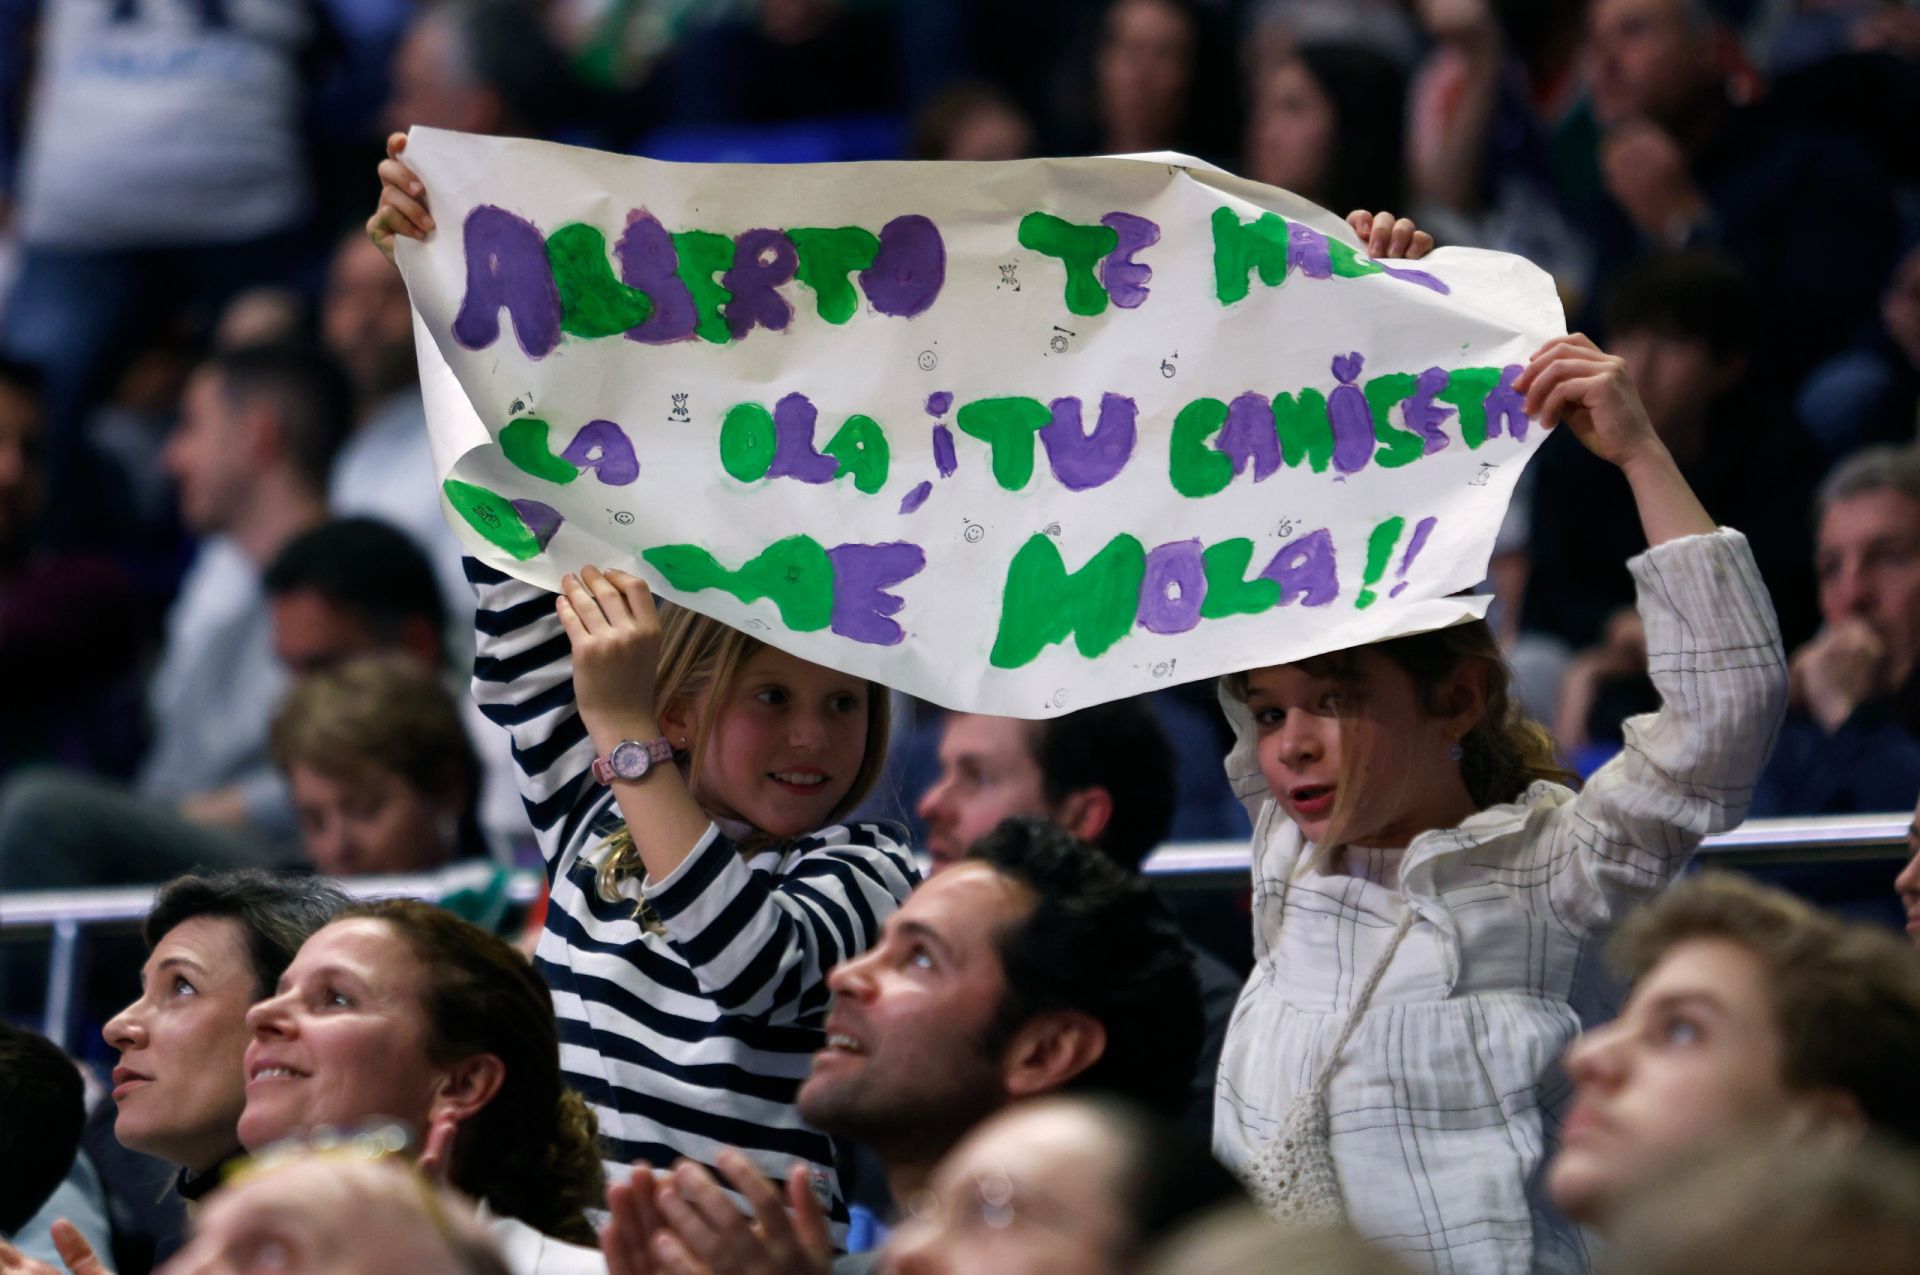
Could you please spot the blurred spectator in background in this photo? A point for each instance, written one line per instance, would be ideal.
(385, 467)
(1686, 161)
(70, 627)
(1327, 123)
(1907, 884)
(1870, 392)
(1685, 323)
(1852, 737)
(1241, 1239)
(40, 1091)
(1159, 77)
(972, 120)
(163, 167)
(786, 60)
(481, 66)
(382, 775)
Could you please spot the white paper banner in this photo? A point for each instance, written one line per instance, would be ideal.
(1017, 438)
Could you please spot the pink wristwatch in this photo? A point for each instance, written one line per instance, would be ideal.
(631, 759)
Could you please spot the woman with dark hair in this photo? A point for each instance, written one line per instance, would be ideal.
(1327, 123)
(402, 1011)
(217, 944)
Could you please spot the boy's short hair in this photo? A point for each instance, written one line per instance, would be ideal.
(1118, 747)
(1696, 294)
(365, 566)
(1846, 997)
(1098, 942)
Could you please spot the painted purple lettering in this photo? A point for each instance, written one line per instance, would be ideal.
(649, 263)
(1307, 251)
(1124, 278)
(793, 451)
(1174, 587)
(1350, 416)
(1305, 570)
(945, 459)
(863, 576)
(1420, 277)
(908, 271)
(1424, 416)
(1083, 461)
(915, 498)
(762, 261)
(1249, 436)
(1506, 407)
(939, 403)
(507, 266)
(542, 519)
(604, 447)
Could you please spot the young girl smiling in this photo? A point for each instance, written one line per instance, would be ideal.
(1428, 890)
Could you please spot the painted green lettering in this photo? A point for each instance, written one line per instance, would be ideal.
(1467, 390)
(593, 303)
(827, 256)
(794, 573)
(1347, 261)
(525, 444)
(494, 517)
(1397, 446)
(1194, 467)
(1007, 425)
(1229, 592)
(1079, 248)
(1044, 603)
(703, 255)
(1305, 431)
(861, 448)
(1260, 245)
(747, 442)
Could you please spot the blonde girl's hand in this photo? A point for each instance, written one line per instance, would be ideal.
(610, 620)
(1388, 236)
(403, 201)
(1572, 381)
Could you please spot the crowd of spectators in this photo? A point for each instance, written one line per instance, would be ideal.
(237, 634)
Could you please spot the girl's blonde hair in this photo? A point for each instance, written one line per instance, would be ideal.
(1501, 755)
(701, 656)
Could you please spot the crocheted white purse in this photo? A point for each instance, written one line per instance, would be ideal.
(1293, 1177)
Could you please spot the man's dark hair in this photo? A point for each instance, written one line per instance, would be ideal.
(1100, 942)
(364, 566)
(1696, 294)
(42, 1111)
(278, 913)
(1118, 747)
(309, 393)
(25, 378)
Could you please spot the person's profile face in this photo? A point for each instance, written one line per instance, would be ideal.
(1695, 1055)
(178, 1088)
(1644, 60)
(343, 1041)
(987, 773)
(1291, 135)
(208, 456)
(1036, 1189)
(1867, 559)
(909, 1036)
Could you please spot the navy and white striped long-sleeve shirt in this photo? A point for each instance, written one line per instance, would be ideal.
(695, 1039)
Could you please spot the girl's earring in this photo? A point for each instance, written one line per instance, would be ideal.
(1455, 752)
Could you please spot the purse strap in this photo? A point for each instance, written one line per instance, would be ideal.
(1360, 1002)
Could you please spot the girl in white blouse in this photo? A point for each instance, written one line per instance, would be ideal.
(1428, 888)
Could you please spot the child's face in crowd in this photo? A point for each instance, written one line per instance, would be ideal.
(371, 821)
(344, 1039)
(1694, 1056)
(178, 1084)
(787, 744)
(987, 773)
(1036, 1188)
(1405, 781)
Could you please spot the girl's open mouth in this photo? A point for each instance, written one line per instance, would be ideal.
(1311, 800)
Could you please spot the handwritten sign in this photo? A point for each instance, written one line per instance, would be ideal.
(1017, 438)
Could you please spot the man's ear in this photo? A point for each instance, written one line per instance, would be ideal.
(1827, 1112)
(1050, 1049)
(1085, 813)
(467, 1086)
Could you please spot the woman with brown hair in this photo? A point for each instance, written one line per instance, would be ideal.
(403, 1011)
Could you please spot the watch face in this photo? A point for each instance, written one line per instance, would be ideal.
(629, 759)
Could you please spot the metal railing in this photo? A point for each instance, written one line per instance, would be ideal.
(66, 918)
